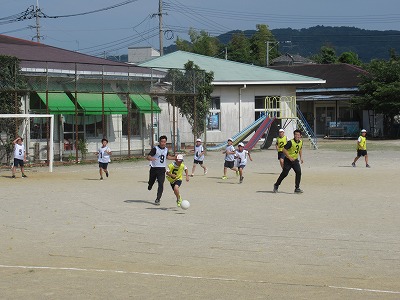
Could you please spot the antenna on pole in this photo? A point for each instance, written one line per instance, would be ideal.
(160, 25)
(160, 14)
(37, 9)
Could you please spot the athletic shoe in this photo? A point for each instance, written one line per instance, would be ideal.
(298, 190)
(205, 171)
(224, 177)
(13, 176)
(191, 175)
(101, 178)
(241, 179)
(157, 202)
(368, 166)
(106, 173)
(353, 164)
(178, 202)
(24, 176)
(237, 173)
(275, 190)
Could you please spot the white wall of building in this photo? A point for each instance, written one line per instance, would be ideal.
(141, 54)
(237, 109)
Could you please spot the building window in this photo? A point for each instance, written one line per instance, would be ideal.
(214, 116)
(89, 126)
(261, 105)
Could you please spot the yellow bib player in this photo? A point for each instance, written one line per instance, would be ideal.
(174, 176)
(293, 150)
(281, 141)
(362, 148)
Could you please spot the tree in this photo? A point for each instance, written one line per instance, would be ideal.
(239, 48)
(200, 43)
(350, 57)
(195, 103)
(380, 90)
(327, 55)
(259, 45)
(11, 82)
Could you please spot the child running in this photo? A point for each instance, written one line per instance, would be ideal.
(198, 157)
(103, 157)
(174, 176)
(229, 158)
(158, 156)
(19, 156)
(241, 158)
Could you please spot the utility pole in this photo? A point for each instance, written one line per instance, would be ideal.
(160, 25)
(37, 21)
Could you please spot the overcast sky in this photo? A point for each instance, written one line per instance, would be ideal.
(114, 30)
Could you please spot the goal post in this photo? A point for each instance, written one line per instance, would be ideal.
(29, 117)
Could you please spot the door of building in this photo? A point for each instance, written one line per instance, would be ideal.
(324, 115)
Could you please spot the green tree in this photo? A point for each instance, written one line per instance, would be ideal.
(327, 55)
(200, 43)
(239, 48)
(350, 57)
(259, 45)
(195, 103)
(380, 90)
(183, 45)
(11, 82)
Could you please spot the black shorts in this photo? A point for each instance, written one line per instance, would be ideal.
(198, 162)
(103, 165)
(241, 166)
(229, 164)
(178, 183)
(18, 162)
(361, 153)
(281, 155)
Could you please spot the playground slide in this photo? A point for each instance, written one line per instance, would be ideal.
(258, 134)
(240, 136)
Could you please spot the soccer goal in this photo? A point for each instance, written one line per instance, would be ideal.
(20, 124)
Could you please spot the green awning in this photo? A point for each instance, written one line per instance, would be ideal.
(143, 103)
(59, 103)
(92, 104)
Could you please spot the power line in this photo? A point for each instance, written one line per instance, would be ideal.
(278, 18)
(94, 11)
(119, 40)
(31, 12)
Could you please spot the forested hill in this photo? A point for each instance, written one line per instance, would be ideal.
(368, 44)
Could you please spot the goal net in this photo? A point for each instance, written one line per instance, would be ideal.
(25, 126)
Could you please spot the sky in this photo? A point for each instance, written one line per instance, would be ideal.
(135, 24)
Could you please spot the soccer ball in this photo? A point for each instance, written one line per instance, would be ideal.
(185, 204)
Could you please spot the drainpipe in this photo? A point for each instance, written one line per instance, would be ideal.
(240, 104)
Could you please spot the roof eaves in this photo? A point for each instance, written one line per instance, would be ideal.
(268, 82)
(327, 90)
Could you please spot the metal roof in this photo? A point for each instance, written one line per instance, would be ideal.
(229, 72)
(36, 57)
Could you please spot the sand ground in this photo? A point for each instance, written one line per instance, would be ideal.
(68, 235)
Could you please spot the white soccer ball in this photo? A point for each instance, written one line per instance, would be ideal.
(185, 204)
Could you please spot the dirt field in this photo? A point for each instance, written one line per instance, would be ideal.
(68, 235)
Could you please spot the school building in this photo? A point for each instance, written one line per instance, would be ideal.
(238, 97)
